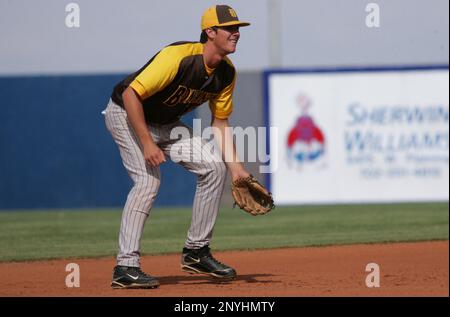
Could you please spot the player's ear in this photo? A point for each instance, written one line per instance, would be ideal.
(211, 32)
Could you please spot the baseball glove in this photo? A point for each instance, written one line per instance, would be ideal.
(251, 196)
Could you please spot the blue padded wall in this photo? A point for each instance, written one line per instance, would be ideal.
(55, 151)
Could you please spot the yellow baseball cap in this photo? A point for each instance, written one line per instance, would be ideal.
(220, 15)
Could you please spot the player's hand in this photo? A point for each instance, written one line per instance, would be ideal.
(238, 173)
(153, 155)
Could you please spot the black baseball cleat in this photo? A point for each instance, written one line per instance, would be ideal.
(132, 277)
(201, 261)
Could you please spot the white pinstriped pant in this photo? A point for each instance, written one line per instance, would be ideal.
(211, 172)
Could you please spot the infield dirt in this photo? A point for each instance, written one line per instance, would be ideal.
(406, 269)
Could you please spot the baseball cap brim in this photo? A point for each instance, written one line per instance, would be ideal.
(240, 23)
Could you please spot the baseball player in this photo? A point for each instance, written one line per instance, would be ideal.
(143, 110)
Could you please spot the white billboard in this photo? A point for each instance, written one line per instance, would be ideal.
(348, 136)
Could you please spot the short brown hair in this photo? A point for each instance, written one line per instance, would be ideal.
(204, 36)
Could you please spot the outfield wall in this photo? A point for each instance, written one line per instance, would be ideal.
(56, 151)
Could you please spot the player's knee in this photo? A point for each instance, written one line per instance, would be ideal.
(219, 170)
(142, 195)
(147, 188)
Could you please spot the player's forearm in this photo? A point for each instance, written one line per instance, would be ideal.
(135, 113)
(224, 138)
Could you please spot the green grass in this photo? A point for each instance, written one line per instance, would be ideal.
(93, 233)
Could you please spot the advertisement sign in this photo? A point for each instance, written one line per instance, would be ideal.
(348, 136)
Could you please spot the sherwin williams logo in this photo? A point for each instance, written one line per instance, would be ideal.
(305, 142)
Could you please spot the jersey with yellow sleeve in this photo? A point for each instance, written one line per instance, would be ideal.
(176, 81)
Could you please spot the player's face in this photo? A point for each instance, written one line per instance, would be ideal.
(227, 37)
